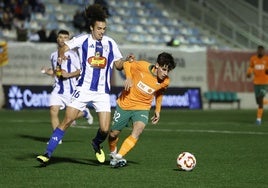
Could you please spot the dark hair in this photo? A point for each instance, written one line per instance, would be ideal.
(94, 13)
(64, 32)
(166, 59)
(260, 46)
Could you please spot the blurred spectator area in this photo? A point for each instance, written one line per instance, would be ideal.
(131, 22)
(18, 15)
(146, 22)
(44, 15)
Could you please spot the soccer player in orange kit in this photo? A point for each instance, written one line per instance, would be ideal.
(257, 67)
(144, 82)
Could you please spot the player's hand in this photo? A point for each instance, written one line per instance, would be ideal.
(44, 70)
(130, 58)
(128, 84)
(60, 60)
(48, 71)
(65, 74)
(155, 118)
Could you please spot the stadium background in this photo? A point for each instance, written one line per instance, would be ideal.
(229, 148)
(212, 54)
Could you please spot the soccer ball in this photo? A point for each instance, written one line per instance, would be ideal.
(186, 161)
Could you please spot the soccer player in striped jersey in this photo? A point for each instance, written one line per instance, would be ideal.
(65, 79)
(257, 67)
(144, 82)
(98, 54)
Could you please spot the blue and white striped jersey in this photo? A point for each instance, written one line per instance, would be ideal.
(65, 86)
(96, 68)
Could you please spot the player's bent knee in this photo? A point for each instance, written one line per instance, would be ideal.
(114, 134)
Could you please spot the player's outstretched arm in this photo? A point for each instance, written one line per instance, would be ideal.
(70, 74)
(120, 63)
(61, 52)
(155, 118)
(47, 71)
(128, 84)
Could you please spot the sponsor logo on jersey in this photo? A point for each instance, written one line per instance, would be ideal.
(147, 89)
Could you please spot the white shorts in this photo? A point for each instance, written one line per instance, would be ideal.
(100, 101)
(59, 100)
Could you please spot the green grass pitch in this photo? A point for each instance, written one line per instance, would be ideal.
(231, 151)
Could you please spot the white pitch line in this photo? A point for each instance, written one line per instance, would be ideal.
(191, 131)
(163, 130)
(209, 131)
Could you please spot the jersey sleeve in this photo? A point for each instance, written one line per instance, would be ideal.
(127, 69)
(251, 66)
(116, 51)
(51, 60)
(266, 65)
(75, 60)
(131, 68)
(76, 41)
(159, 95)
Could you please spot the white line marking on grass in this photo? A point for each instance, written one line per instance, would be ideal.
(165, 130)
(209, 131)
(191, 131)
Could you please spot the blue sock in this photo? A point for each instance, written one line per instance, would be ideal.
(85, 113)
(54, 141)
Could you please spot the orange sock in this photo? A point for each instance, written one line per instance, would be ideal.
(113, 143)
(259, 113)
(127, 145)
(265, 101)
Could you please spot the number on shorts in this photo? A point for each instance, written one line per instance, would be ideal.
(76, 94)
(116, 116)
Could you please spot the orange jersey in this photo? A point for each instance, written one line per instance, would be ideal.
(145, 87)
(258, 66)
